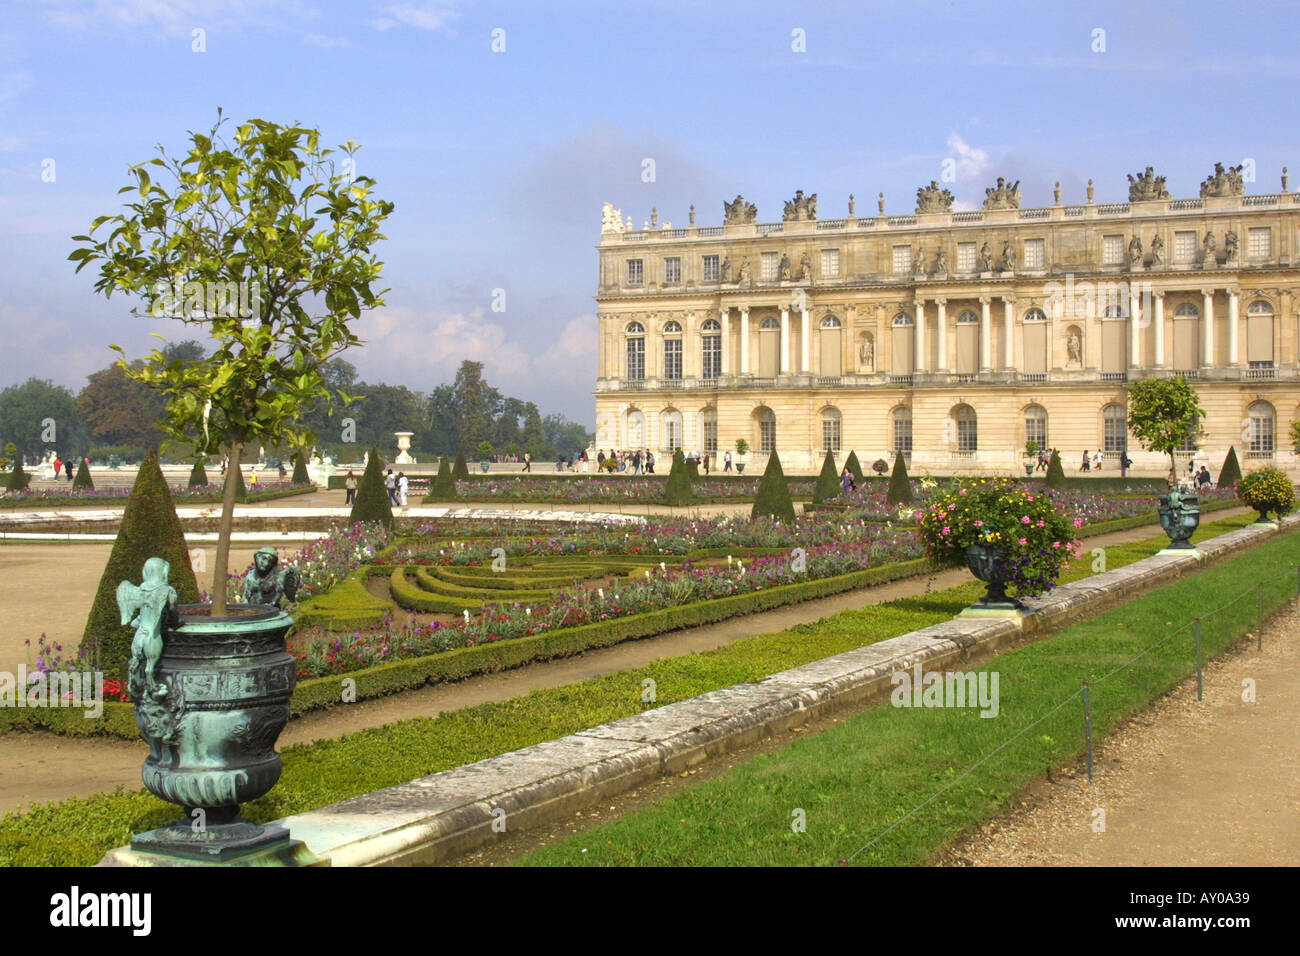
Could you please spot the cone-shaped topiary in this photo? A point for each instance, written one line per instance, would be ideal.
(1055, 473)
(855, 469)
(773, 498)
(459, 469)
(828, 482)
(83, 479)
(1230, 473)
(444, 485)
(900, 488)
(18, 478)
(300, 475)
(692, 469)
(371, 503)
(198, 475)
(149, 529)
(678, 491)
(233, 471)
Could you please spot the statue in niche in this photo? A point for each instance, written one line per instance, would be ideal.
(742, 274)
(1224, 182)
(611, 219)
(1145, 186)
(783, 271)
(805, 268)
(1230, 245)
(1209, 247)
(1003, 195)
(1135, 251)
(986, 258)
(738, 211)
(1074, 348)
(1008, 257)
(933, 198)
(941, 262)
(1157, 250)
(801, 208)
(724, 271)
(918, 262)
(867, 354)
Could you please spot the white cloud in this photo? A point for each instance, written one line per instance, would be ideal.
(172, 18)
(971, 161)
(325, 42)
(422, 16)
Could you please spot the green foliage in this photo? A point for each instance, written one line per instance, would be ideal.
(18, 479)
(900, 487)
(83, 479)
(742, 447)
(1162, 413)
(828, 482)
(235, 473)
(1268, 491)
(679, 491)
(149, 529)
(1055, 473)
(1031, 448)
(198, 475)
(693, 469)
(38, 414)
(460, 469)
(371, 502)
(855, 469)
(300, 475)
(444, 484)
(1230, 473)
(773, 497)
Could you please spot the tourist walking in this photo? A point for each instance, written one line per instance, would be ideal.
(528, 461)
(649, 462)
(390, 483)
(58, 465)
(252, 478)
(1097, 459)
(846, 481)
(403, 486)
(706, 463)
(1087, 463)
(726, 462)
(586, 462)
(350, 486)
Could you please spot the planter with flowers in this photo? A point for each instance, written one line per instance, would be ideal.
(1009, 537)
(1268, 491)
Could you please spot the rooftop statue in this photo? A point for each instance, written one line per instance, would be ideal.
(933, 198)
(611, 219)
(738, 211)
(1224, 182)
(801, 208)
(1003, 195)
(1146, 185)
(267, 582)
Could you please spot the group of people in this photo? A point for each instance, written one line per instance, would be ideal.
(1093, 461)
(639, 462)
(69, 466)
(1198, 478)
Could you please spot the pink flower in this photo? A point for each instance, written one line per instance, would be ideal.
(1056, 544)
(1023, 542)
(1025, 520)
(962, 492)
(979, 524)
(1040, 523)
(1078, 522)
(946, 531)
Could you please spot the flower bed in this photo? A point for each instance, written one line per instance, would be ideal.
(207, 494)
(609, 489)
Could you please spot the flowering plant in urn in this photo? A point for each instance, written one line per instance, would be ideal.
(1267, 490)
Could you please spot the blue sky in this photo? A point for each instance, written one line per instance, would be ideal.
(498, 162)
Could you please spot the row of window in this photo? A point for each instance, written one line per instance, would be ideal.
(1259, 246)
(1261, 418)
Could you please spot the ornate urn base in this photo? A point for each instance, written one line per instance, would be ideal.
(1179, 517)
(986, 564)
(211, 719)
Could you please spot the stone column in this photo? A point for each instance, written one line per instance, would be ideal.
(1134, 318)
(784, 354)
(726, 341)
(1207, 328)
(803, 337)
(1158, 320)
(744, 340)
(918, 358)
(1233, 331)
(1009, 329)
(986, 336)
(942, 340)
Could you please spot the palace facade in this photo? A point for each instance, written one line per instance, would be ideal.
(953, 336)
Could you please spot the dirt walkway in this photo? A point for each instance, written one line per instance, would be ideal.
(1184, 783)
(40, 767)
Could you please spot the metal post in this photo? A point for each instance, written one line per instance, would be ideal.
(1259, 618)
(1200, 695)
(1087, 725)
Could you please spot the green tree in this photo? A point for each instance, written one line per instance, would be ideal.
(39, 414)
(83, 479)
(18, 479)
(900, 486)
(198, 475)
(300, 475)
(1055, 472)
(266, 245)
(444, 420)
(534, 438)
(477, 405)
(119, 410)
(187, 352)
(1230, 473)
(444, 484)
(855, 469)
(678, 491)
(828, 482)
(372, 503)
(773, 497)
(459, 468)
(1163, 413)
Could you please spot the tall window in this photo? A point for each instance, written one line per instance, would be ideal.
(766, 431)
(672, 429)
(1189, 443)
(635, 429)
(673, 351)
(965, 257)
(711, 342)
(635, 351)
(635, 272)
(1036, 425)
(830, 263)
(709, 423)
(710, 268)
(831, 430)
(672, 270)
(1115, 429)
(1184, 246)
(903, 430)
(1261, 430)
(1112, 250)
(1034, 253)
(1259, 243)
(967, 431)
(771, 262)
(902, 259)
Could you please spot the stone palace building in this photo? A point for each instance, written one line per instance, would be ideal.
(954, 336)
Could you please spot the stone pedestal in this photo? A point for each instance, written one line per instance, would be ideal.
(404, 448)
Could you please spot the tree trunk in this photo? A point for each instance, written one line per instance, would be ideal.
(220, 568)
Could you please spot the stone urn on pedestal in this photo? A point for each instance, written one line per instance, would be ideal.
(986, 563)
(404, 448)
(1180, 514)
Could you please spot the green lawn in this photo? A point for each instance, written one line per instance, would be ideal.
(857, 782)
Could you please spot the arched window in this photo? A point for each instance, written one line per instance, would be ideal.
(671, 428)
(832, 356)
(968, 343)
(709, 429)
(902, 422)
(1262, 420)
(1035, 315)
(711, 349)
(830, 429)
(635, 351)
(769, 347)
(673, 351)
(635, 429)
(967, 430)
(1187, 310)
(711, 325)
(765, 418)
(1187, 348)
(902, 356)
(904, 319)
(769, 325)
(1034, 344)
(1114, 429)
(672, 327)
(830, 322)
(968, 317)
(1259, 339)
(1036, 425)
